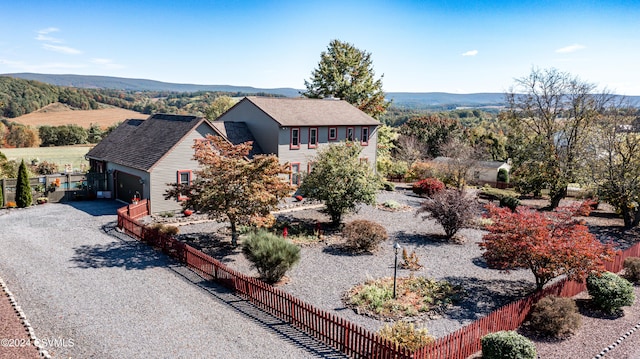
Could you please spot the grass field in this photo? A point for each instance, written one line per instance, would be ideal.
(61, 155)
(58, 114)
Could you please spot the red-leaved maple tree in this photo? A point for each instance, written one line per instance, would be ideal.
(550, 244)
(231, 187)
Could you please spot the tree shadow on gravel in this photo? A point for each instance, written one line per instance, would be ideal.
(214, 244)
(418, 239)
(588, 309)
(481, 296)
(342, 249)
(282, 329)
(97, 208)
(117, 254)
(480, 262)
(617, 235)
(130, 253)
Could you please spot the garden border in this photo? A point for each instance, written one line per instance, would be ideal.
(337, 332)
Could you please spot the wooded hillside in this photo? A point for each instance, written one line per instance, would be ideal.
(19, 97)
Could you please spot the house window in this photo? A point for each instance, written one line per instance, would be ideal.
(295, 139)
(184, 178)
(349, 133)
(313, 137)
(364, 160)
(333, 133)
(365, 136)
(294, 178)
(310, 167)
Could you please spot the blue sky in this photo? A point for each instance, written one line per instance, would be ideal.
(419, 46)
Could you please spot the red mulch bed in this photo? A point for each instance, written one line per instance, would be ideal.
(14, 338)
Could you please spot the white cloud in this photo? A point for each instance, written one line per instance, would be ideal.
(106, 63)
(48, 30)
(470, 53)
(42, 37)
(52, 67)
(61, 49)
(570, 48)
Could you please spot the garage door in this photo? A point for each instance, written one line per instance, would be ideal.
(127, 186)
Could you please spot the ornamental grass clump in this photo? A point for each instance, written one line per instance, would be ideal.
(271, 255)
(555, 316)
(609, 291)
(507, 345)
(405, 335)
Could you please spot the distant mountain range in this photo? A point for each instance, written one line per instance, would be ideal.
(440, 100)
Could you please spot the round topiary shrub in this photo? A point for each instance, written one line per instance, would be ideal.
(555, 316)
(271, 255)
(404, 334)
(507, 345)
(503, 175)
(609, 291)
(632, 269)
(510, 202)
(363, 235)
(428, 187)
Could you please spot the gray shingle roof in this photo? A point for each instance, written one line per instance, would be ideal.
(142, 143)
(237, 133)
(312, 112)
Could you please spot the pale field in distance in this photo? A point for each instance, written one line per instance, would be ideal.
(61, 155)
(58, 114)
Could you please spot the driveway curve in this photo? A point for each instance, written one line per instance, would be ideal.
(91, 292)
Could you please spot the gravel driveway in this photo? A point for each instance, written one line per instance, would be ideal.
(92, 294)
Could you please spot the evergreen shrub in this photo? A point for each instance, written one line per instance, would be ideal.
(271, 255)
(507, 345)
(609, 291)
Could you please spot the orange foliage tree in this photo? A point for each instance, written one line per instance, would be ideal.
(231, 187)
(550, 244)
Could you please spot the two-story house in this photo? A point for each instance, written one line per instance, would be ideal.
(141, 157)
(295, 128)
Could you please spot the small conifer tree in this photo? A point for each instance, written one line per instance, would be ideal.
(23, 189)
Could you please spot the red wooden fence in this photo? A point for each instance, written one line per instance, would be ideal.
(337, 332)
(334, 331)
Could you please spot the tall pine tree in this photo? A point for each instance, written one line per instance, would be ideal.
(347, 73)
(23, 189)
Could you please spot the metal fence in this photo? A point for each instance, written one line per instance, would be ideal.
(60, 187)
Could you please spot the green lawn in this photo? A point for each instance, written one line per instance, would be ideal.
(61, 155)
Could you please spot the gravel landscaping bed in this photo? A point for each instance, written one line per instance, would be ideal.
(326, 271)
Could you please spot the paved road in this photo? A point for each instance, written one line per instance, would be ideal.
(91, 292)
